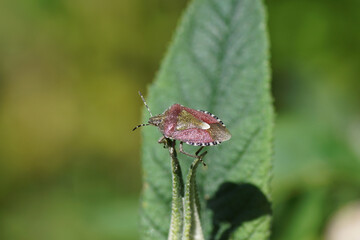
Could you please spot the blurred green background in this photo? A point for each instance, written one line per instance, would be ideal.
(69, 76)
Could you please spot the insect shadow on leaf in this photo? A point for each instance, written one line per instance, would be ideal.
(233, 204)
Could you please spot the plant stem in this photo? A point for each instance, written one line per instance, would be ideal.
(176, 223)
(185, 207)
(192, 225)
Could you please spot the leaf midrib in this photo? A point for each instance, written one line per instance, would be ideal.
(224, 46)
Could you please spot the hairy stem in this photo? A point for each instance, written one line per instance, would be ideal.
(176, 224)
(192, 225)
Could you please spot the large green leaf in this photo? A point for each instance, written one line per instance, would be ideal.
(218, 61)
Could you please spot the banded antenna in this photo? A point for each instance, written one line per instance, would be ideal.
(143, 99)
(144, 124)
(141, 125)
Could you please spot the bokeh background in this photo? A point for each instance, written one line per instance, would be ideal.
(69, 76)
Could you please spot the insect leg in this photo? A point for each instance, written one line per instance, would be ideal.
(196, 154)
(183, 152)
(198, 151)
(201, 155)
(162, 140)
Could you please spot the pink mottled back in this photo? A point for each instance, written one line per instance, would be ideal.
(193, 135)
(171, 119)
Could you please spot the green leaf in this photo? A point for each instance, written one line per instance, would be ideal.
(192, 223)
(218, 61)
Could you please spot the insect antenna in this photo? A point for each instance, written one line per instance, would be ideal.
(143, 99)
(141, 125)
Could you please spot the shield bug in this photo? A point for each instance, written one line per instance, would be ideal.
(187, 125)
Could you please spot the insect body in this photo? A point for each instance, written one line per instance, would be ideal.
(194, 127)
